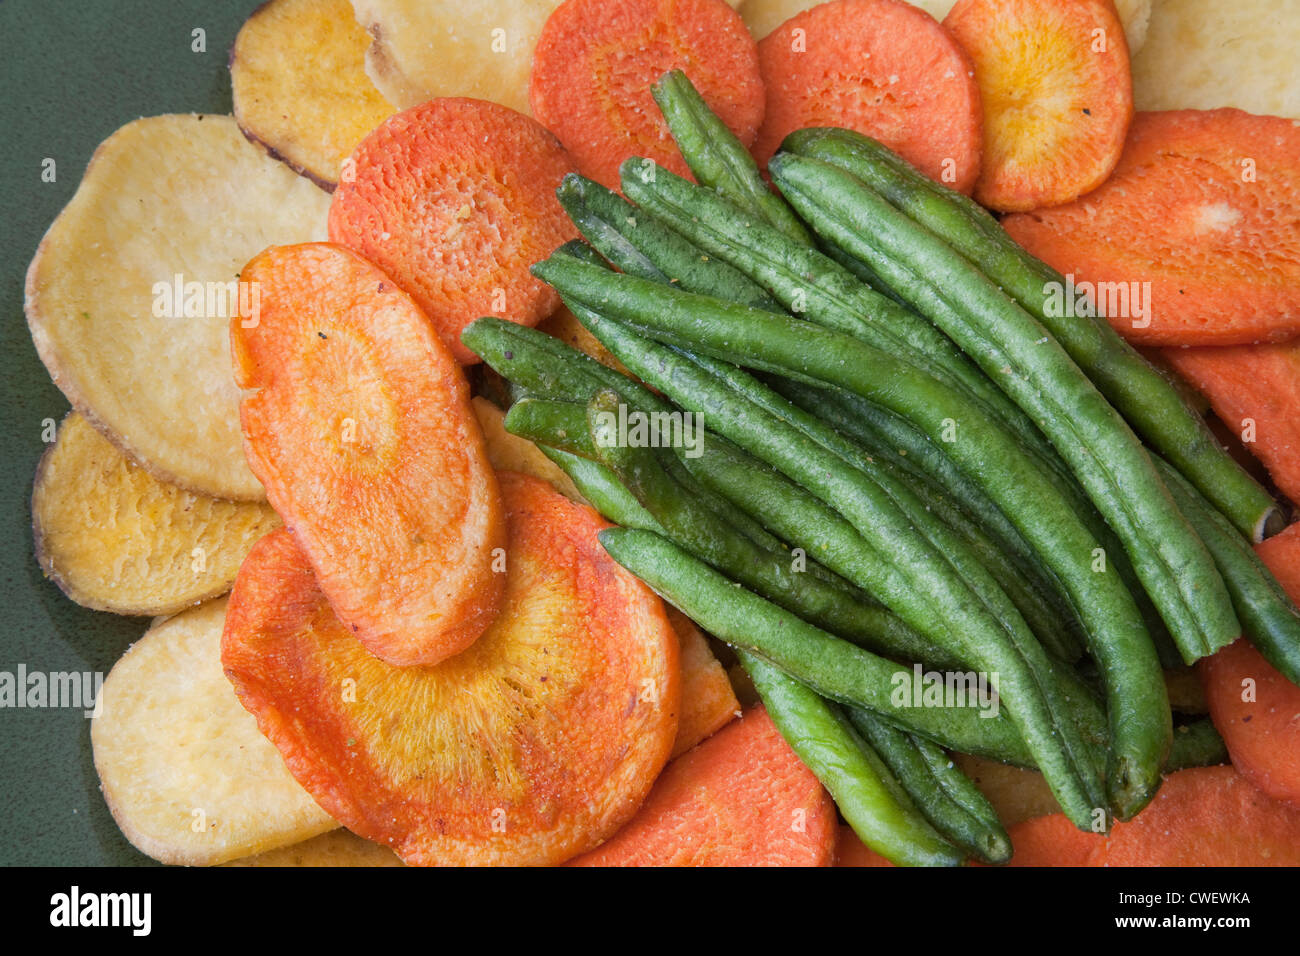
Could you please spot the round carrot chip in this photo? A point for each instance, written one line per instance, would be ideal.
(531, 746)
(1058, 98)
(883, 68)
(455, 199)
(361, 429)
(596, 59)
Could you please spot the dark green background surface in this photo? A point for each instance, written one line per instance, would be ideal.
(71, 72)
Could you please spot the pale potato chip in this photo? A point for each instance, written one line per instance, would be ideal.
(1203, 54)
(764, 16)
(130, 295)
(422, 49)
(509, 452)
(1016, 794)
(337, 848)
(298, 76)
(115, 538)
(186, 773)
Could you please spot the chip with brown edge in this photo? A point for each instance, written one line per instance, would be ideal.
(115, 538)
(298, 78)
(131, 291)
(530, 747)
(337, 848)
(358, 422)
(185, 771)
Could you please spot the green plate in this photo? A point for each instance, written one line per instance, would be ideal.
(71, 72)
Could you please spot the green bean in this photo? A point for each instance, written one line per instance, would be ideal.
(1015, 350)
(923, 504)
(1137, 703)
(717, 158)
(1196, 744)
(944, 795)
(813, 287)
(640, 245)
(1268, 615)
(929, 580)
(833, 668)
(871, 800)
(1156, 410)
(684, 516)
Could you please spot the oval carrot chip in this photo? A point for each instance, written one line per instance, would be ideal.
(533, 745)
(1206, 816)
(1257, 711)
(1195, 237)
(596, 59)
(883, 68)
(360, 428)
(1054, 80)
(741, 798)
(455, 199)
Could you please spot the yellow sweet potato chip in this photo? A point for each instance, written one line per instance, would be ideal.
(509, 452)
(115, 538)
(130, 294)
(186, 773)
(297, 72)
(337, 848)
(422, 49)
(1203, 54)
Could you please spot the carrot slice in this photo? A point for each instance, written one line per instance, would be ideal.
(596, 59)
(362, 431)
(708, 702)
(1053, 840)
(881, 67)
(533, 745)
(455, 199)
(1255, 708)
(1257, 712)
(741, 798)
(1054, 80)
(1203, 206)
(1206, 816)
(851, 851)
(1282, 555)
(1255, 390)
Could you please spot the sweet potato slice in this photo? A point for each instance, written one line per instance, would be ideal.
(741, 798)
(508, 452)
(1206, 816)
(337, 848)
(595, 61)
(115, 538)
(455, 199)
(1255, 391)
(1203, 54)
(297, 74)
(881, 67)
(361, 429)
(184, 770)
(1204, 207)
(131, 291)
(533, 745)
(708, 702)
(1054, 81)
(423, 49)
